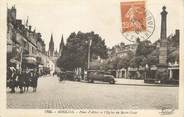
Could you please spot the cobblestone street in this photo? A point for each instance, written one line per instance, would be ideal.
(80, 95)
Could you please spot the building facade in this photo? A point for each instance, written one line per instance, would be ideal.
(25, 47)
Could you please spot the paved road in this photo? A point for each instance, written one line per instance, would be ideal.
(79, 95)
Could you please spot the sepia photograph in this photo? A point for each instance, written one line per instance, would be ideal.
(69, 55)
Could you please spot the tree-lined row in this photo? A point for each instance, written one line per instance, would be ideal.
(75, 53)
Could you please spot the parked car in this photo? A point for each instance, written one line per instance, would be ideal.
(77, 78)
(100, 76)
(61, 76)
(69, 75)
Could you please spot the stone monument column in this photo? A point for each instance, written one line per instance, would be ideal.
(163, 38)
(162, 71)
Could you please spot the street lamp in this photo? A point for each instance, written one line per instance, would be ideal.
(89, 52)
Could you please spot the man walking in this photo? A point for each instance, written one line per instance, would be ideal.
(35, 80)
(12, 82)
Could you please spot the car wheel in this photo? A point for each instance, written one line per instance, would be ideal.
(112, 82)
(91, 81)
(78, 79)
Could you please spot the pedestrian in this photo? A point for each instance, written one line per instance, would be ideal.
(17, 75)
(8, 77)
(21, 80)
(35, 80)
(26, 80)
(12, 82)
(31, 77)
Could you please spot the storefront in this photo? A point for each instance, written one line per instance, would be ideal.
(14, 57)
(152, 72)
(141, 74)
(29, 63)
(14, 63)
(121, 73)
(132, 73)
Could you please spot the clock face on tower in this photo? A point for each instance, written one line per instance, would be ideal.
(142, 34)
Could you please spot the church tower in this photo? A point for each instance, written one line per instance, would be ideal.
(12, 14)
(51, 46)
(61, 46)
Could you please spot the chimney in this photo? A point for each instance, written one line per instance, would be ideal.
(177, 33)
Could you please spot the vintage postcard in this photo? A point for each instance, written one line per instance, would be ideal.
(92, 58)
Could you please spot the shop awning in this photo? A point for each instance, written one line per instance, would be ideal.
(132, 69)
(30, 60)
(14, 61)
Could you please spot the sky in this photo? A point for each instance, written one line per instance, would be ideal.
(62, 17)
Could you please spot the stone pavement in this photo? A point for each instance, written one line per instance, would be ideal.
(80, 95)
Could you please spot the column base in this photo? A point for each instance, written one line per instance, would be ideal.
(162, 73)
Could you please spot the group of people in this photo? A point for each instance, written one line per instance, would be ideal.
(22, 80)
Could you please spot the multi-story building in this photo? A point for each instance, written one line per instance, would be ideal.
(122, 50)
(126, 49)
(25, 47)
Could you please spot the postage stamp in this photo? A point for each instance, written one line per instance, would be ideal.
(133, 16)
(137, 22)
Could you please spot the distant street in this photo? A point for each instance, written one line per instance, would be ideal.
(80, 95)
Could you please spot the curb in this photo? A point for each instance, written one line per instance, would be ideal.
(156, 85)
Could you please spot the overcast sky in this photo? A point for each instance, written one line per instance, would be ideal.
(101, 16)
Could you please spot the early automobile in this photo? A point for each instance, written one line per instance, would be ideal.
(69, 75)
(100, 76)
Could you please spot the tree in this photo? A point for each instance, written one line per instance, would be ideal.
(76, 50)
(138, 61)
(118, 62)
(144, 54)
(144, 48)
(153, 57)
(125, 60)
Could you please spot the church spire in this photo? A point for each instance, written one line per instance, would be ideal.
(51, 46)
(61, 46)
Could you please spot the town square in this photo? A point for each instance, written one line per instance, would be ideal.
(86, 67)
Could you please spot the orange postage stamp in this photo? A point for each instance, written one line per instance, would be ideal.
(133, 16)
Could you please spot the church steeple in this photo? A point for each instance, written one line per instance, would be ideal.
(61, 46)
(51, 46)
